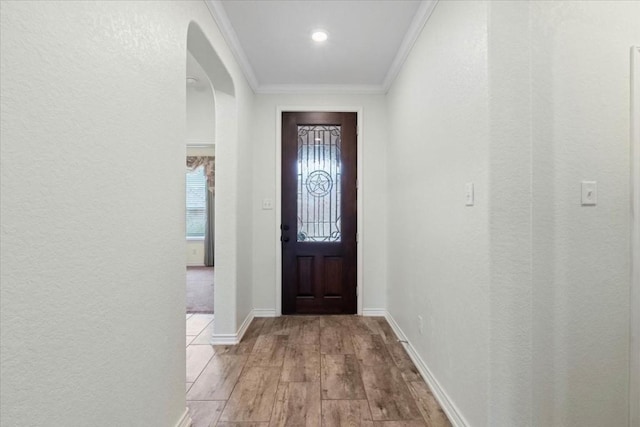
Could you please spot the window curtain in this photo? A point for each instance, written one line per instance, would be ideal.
(208, 162)
(209, 230)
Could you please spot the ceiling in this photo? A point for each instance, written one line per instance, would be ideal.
(368, 42)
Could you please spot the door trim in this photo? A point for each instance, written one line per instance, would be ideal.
(634, 336)
(278, 198)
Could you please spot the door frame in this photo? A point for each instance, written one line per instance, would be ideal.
(634, 337)
(278, 198)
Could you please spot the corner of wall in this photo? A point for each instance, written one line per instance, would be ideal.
(445, 401)
(185, 420)
(234, 338)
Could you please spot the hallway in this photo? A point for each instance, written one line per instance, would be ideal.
(307, 371)
(497, 158)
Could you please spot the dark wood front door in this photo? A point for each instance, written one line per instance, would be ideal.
(318, 229)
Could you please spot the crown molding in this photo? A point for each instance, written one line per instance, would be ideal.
(413, 32)
(220, 16)
(216, 8)
(320, 88)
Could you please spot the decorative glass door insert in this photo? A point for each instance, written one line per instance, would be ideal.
(319, 185)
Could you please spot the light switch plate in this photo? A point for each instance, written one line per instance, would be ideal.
(589, 193)
(468, 194)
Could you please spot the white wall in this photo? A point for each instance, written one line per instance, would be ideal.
(92, 160)
(580, 109)
(438, 248)
(526, 295)
(200, 105)
(244, 214)
(510, 229)
(195, 253)
(373, 190)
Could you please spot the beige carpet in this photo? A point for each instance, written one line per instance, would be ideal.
(199, 289)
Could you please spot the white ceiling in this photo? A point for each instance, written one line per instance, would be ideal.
(368, 41)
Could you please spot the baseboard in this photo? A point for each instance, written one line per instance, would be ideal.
(264, 312)
(224, 339)
(185, 420)
(374, 312)
(233, 339)
(456, 418)
(245, 325)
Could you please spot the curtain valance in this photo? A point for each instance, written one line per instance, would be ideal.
(209, 163)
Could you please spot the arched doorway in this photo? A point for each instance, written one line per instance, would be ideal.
(212, 132)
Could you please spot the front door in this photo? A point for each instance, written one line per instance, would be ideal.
(318, 229)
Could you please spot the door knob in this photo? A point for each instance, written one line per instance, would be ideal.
(284, 227)
(284, 239)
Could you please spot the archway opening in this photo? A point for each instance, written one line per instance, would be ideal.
(200, 192)
(210, 156)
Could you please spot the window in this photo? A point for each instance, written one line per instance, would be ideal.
(196, 203)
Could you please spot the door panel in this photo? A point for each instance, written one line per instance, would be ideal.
(319, 161)
(305, 276)
(332, 269)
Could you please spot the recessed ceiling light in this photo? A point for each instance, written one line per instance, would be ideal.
(319, 36)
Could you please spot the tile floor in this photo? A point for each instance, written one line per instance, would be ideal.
(306, 371)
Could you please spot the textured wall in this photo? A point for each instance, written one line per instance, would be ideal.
(93, 131)
(580, 112)
(548, 323)
(373, 191)
(438, 247)
(510, 213)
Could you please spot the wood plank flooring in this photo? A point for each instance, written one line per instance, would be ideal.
(307, 371)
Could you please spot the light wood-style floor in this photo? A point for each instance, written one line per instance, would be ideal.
(306, 371)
